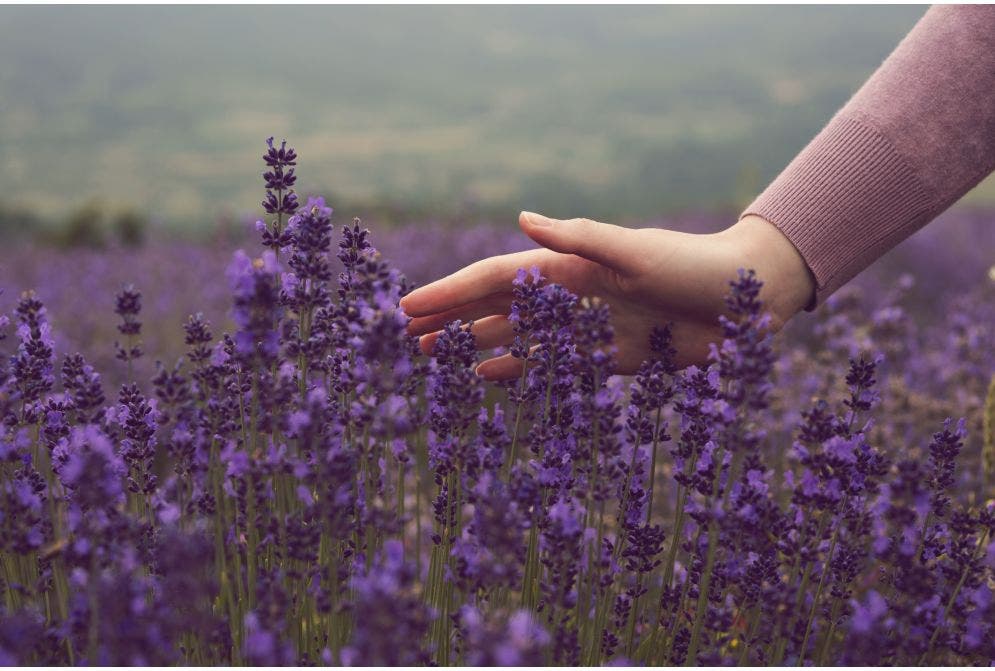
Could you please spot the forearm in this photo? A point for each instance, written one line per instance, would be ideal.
(917, 136)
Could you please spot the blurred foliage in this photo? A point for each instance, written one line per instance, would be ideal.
(129, 228)
(91, 225)
(17, 222)
(84, 228)
(988, 453)
(413, 112)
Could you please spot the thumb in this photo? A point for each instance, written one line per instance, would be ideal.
(602, 243)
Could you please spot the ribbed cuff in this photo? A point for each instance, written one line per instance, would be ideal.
(845, 200)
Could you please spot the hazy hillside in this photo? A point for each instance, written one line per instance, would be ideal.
(615, 112)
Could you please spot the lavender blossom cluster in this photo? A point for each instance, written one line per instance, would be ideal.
(309, 488)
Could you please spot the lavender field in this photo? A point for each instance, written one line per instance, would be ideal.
(231, 453)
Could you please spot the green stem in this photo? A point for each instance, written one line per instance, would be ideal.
(754, 619)
(824, 648)
(421, 465)
(706, 576)
(953, 597)
(93, 630)
(652, 474)
(584, 599)
(518, 410)
(530, 597)
(822, 583)
(633, 616)
(777, 647)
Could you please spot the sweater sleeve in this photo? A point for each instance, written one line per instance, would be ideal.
(916, 137)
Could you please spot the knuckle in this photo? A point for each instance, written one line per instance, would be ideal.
(585, 235)
(485, 269)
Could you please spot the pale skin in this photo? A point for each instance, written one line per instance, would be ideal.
(648, 276)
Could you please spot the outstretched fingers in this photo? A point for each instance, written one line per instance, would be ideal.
(489, 332)
(475, 282)
(505, 367)
(496, 304)
(493, 331)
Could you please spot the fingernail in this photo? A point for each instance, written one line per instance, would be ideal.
(479, 373)
(538, 219)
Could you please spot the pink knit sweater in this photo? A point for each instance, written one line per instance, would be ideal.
(915, 138)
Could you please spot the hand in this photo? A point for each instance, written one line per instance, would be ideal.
(648, 276)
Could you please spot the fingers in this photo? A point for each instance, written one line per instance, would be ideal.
(505, 367)
(489, 332)
(497, 304)
(606, 244)
(611, 246)
(472, 283)
(493, 331)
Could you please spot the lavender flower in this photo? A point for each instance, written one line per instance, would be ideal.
(394, 619)
(311, 489)
(128, 306)
(256, 309)
(280, 197)
(31, 367)
(514, 640)
(84, 387)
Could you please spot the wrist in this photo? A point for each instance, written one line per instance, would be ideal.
(789, 286)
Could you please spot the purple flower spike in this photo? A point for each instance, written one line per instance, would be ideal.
(394, 621)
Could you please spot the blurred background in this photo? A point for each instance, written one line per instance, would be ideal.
(119, 115)
(131, 139)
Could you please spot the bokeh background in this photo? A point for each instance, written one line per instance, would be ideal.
(456, 113)
(131, 137)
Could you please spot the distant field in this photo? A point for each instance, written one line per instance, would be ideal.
(618, 113)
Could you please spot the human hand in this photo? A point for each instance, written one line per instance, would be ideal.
(648, 276)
